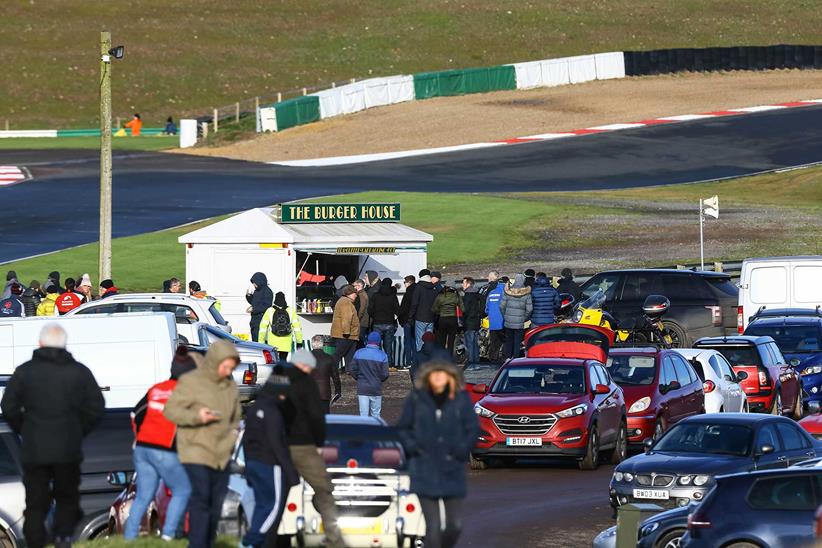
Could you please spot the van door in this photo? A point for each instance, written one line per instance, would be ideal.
(766, 286)
(807, 289)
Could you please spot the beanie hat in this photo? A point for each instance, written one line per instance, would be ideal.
(16, 289)
(372, 276)
(529, 273)
(85, 279)
(304, 357)
(566, 273)
(374, 337)
(428, 336)
(106, 284)
(386, 282)
(349, 289)
(34, 284)
(436, 274)
(11, 275)
(54, 276)
(424, 272)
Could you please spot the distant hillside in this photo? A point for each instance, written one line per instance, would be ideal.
(190, 55)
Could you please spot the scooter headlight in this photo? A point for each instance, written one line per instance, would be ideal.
(577, 316)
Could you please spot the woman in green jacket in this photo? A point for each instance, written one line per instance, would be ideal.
(447, 305)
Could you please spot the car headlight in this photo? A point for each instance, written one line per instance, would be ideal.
(629, 477)
(685, 480)
(701, 480)
(812, 370)
(648, 529)
(640, 405)
(576, 317)
(483, 412)
(573, 411)
(618, 476)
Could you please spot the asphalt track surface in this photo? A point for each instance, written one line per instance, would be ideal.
(153, 191)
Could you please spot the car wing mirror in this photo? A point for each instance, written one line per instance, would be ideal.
(765, 449)
(741, 376)
(118, 479)
(647, 444)
(480, 389)
(674, 385)
(602, 389)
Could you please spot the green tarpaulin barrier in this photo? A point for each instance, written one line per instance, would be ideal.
(448, 83)
(297, 111)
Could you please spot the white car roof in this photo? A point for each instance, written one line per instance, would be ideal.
(354, 419)
(168, 297)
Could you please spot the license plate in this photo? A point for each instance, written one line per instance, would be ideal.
(653, 494)
(524, 442)
(357, 526)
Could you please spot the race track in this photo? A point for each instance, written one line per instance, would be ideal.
(153, 191)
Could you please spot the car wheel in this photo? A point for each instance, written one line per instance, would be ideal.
(659, 429)
(478, 464)
(621, 448)
(776, 408)
(799, 406)
(5, 539)
(591, 459)
(154, 528)
(679, 338)
(671, 539)
(742, 545)
(111, 530)
(745, 408)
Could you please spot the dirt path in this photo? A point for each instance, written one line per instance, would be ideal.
(493, 116)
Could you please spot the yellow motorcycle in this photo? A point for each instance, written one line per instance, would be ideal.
(649, 328)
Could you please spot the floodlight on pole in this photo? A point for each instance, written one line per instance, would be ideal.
(106, 54)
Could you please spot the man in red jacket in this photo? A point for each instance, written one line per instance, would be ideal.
(155, 453)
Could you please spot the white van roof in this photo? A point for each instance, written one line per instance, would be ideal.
(784, 259)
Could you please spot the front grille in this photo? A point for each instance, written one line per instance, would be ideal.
(662, 480)
(525, 425)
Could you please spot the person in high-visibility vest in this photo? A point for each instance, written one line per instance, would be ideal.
(136, 124)
(281, 327)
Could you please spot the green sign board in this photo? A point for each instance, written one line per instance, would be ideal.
(339, 213)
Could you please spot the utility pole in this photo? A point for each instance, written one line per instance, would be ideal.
(105, 157)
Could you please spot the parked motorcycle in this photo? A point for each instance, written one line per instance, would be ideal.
(649, 328)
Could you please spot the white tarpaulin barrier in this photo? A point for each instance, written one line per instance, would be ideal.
(353, 96)
(529, 75)
(268, 119)
(331, 102)
(555, 72)
(582, 68)
(610, 65)
(374, 92)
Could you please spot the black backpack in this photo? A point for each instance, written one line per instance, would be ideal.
(281, 322)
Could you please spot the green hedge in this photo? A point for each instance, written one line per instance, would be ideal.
(448, 83)
(297, 111)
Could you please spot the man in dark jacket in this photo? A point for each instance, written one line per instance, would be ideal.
(546, 302)
(530, 277)
(53, 402)
(12, 307)
(383, 309)
(431, 351)
(11, 279)
(325, 372)
(305, 432)
(268, 466)
(372, 280)
(472, 313)
(260, 300)
(568, 285)
(31, 298)
(409, 342)
(421, 305)
(370, 369)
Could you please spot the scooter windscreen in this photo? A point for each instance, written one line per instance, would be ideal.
(593, 302)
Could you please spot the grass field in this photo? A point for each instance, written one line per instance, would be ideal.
(191, 55)
(587, 230)
(158, 142)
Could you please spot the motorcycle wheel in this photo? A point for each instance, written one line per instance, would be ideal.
(679, 339)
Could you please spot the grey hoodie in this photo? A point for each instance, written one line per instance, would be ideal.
(516, 304)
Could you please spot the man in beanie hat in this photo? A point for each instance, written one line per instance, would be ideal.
(370, 369)
(305, 432)
(345, 326)
(436, 279)
(421, 304)
(11, 278)
(568, 285)
(107, 289)
(54, 279)
(12, 306)
(31, 298)
(155, 452)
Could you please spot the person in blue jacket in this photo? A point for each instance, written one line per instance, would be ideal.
(546, 301)
(370, 369)
(496, 327)
(438, 428)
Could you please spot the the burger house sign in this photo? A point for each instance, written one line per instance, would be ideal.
(339, 213)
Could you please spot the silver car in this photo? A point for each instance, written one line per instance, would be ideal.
(262, 355)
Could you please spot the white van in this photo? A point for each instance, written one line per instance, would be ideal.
(779, 282)
(127, 353)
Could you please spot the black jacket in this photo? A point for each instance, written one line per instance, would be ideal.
(53, 402)
(384, 307)
(30, 298)
(262, 298)
(325, 372)
(567, 285)
(404, 315)
(423, 300)
(303, 409)
(472, 310)
(264, 438)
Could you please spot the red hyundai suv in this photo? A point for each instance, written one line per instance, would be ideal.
(772, 385)
(559, 401)
(660, 386)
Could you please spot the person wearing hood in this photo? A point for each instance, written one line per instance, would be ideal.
(472, 313)
(325, 372)
(48, 305)
(438, 429)
(107, 289)
(345, 327)
(370, 369)
(409, 343)
(31, 298)
(260, 300)
(269, 470)
(568, 285)
(205, 406)
(281, 327)
(546, 302)
(496, 323)
(11, 278)
(447, 307)
(384, 308)
(421, 304)
(84, 288)
(516, 307)
(155, 452)
(12, 307)
(54, 279)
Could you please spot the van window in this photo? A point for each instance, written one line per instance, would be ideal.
(806, 286)
(769, 285)
(102, 309)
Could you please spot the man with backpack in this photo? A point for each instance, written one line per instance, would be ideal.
(68, 299)
(281, 327)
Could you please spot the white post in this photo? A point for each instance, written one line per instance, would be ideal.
(701, 239)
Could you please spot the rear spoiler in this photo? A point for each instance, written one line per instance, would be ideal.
(647, 345)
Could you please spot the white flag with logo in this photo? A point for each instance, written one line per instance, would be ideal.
(710, 207)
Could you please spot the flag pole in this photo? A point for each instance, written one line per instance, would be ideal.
(701, 239)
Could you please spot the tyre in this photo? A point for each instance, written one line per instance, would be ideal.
(745, 408)
(591, 459)
(742, 545)
(620, 450)
(799, 406)
(679, 338)
(111, 530)
(776, 407)
(242, 526)
(478, 464)
(671, 539)
(5, 540)
(154, 529)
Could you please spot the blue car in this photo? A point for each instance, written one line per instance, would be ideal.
(798, 334)
(773, 509)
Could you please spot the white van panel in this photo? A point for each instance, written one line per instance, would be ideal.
(780, 282)
(807, 285)
(769, 285)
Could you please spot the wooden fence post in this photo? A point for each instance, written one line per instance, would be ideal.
(305, 92)
(7, 124)
(205, 130)
(256, 104)
(237, 112)
(216, 120)
(719, 266)
(118, 126)
(279, 97)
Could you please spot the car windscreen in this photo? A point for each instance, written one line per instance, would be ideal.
(632, 370)
(791, 339)
(740, 354)
(540, 379)
(215, 313)
(715, 439)
(480, 373)
(363, 442)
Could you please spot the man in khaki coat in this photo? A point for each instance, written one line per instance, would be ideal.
(345, 326)
(205, 406)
